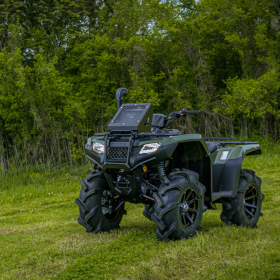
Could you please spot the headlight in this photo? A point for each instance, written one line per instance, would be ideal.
(149, 148)
(99, 148)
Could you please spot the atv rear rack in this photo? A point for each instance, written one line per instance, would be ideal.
(223, 143)
(217, 138)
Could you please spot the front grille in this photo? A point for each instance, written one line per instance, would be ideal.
(119, 153)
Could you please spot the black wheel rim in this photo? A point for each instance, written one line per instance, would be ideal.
(251, 202)
(189, 208)
(110, 206)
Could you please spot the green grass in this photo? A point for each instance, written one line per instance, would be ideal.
(41, 239)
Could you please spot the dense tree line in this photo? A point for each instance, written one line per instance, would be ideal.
(61, 62)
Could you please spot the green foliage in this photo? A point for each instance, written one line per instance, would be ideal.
(62, 62)
(13, 103)
(49, 94)
(253, 97)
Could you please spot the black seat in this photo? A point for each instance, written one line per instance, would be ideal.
(212, 146)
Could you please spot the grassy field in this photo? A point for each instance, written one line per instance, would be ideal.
(41, 239)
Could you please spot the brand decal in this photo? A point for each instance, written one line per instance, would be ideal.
(224, 155)
(119, 144)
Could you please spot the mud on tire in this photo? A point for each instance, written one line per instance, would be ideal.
(245, 208)
(179, 206)
(92, 214)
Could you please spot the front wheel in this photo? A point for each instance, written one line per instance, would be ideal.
(245, 208)
(148, 211)
(100, 209)
(179, 206)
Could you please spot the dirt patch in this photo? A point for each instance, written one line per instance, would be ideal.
(3, 231)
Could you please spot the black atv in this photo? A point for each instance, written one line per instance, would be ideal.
(177, 177)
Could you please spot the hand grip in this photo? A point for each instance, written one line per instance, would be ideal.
(185, 112)
(195, 112)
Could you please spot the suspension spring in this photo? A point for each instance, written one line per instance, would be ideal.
(161, 170)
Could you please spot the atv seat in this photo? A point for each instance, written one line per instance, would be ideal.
(212, 146)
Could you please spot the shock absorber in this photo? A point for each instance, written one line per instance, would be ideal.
(161, 170)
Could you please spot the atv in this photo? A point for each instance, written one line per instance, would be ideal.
(177, 177)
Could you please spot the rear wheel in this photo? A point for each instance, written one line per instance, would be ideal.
(100, 209)
(245, 208)
(179, 206)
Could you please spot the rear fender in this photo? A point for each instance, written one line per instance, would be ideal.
(226, 168)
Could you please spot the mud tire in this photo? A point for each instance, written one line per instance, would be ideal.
(89, 202)
(168, 214)
(243, 210)
(148, 211)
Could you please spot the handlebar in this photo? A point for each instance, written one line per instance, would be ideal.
(185, 112)
(177, 114)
